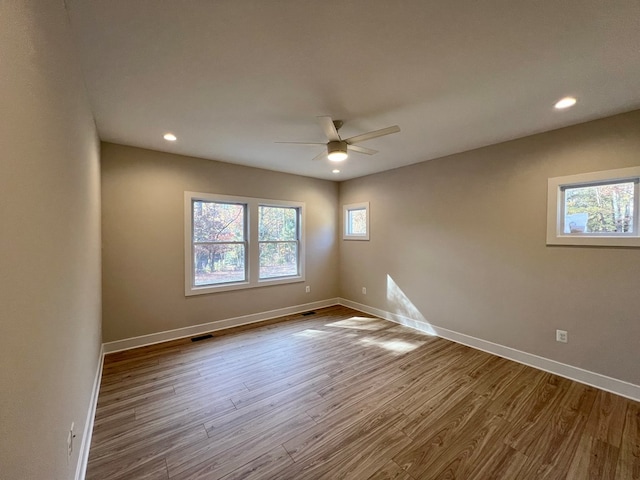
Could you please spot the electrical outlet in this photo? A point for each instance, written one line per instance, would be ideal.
(307, 289)
(364, 290)
(562, 336)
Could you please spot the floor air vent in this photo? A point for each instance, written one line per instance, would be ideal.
(201, 337)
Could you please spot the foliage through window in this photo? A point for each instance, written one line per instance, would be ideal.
(356, 221)
(240, 242)
(599, 208)
(219, 242)
(278, 238)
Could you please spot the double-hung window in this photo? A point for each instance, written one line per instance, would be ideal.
(279, 241)
(219, 242)
(241, 242)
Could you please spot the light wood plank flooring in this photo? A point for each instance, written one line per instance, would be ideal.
(340, 395)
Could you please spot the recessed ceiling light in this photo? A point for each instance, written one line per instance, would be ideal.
(565, 102)
(170, 137)
(335, 171)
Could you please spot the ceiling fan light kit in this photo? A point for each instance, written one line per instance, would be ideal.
(337, 150)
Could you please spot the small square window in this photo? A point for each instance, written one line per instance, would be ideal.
(599, 209)
(356, 221)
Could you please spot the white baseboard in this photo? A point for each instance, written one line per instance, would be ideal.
(603, 382)
(83, 455)
(178, 333)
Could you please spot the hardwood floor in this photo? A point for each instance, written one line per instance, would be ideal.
(341, 395)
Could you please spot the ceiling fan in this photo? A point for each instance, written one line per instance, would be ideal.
(337, 148)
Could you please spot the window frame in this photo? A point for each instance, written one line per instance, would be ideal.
(244, 242)
(277, 242)
(555, 209)
(252, 253)
(346, 235)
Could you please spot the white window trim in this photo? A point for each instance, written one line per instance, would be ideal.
(555, 200)
(345, 220)
(253, 252)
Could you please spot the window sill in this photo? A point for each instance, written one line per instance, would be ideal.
(353, 237)
(208, 289)
(594, 241)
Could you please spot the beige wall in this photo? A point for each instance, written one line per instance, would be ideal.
(49, 243)
(462, 240)
(143, 240)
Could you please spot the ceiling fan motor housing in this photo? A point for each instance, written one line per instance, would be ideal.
(337, 150)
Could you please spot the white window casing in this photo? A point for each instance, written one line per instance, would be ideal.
(355, 221)
(559, 232)
(250, 243)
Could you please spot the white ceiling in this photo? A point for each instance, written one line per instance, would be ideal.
(231, 77)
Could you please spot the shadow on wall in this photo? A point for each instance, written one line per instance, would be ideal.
(404, 309)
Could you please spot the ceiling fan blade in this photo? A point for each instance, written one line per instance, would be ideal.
(359, 149)
(303, 143)
(321, 156)
(374, 134)
(329, 128)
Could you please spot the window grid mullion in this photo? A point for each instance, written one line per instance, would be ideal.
(221, 243)
(278, 241)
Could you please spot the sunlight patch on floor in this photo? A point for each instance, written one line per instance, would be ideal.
(311, 333)
(400, 329)
(360, 323)
(394, 345)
